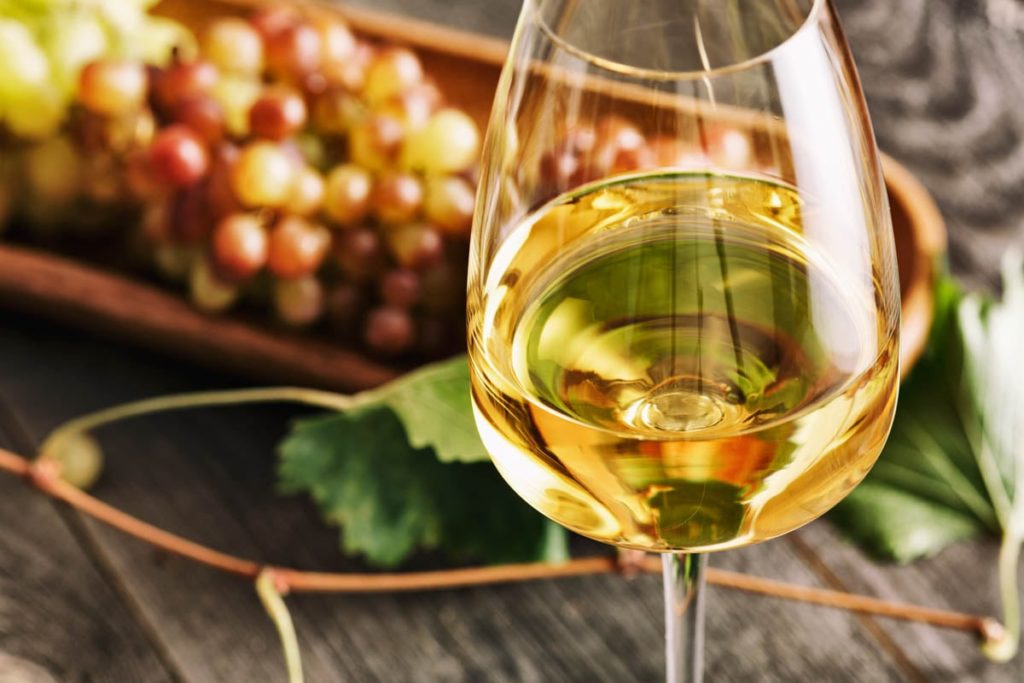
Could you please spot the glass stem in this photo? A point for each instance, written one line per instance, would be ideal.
(684, 617)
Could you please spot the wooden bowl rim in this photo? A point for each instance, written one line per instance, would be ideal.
(140, 312)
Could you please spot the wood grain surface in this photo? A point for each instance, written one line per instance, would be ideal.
(80, 603)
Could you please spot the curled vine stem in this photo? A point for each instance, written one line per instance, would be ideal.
(273, 584)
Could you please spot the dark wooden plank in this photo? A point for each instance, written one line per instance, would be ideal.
(962, 578)
(60, 618)
(211, 476)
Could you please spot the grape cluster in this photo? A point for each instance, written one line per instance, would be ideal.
(281, 164)
(614, 145)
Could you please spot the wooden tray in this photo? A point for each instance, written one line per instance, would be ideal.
(466, 68)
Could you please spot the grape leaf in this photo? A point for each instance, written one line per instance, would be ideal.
(434, 406)
(391, 498)
(954, 464)
(926, 490)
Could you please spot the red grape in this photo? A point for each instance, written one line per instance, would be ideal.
(358, 253)
(178, 157)
(632, 159)
(389, 331)
(240, 246)
(415, 246)
(347, 194)
(615, 136)
(560, 169)
(112, 88)
(293, 52)
(400, 288)
(279, 113)
(297, 247)
(344, 307)
(671, 152)
(139, 178)
(449, 204)
(182, 81)
(433, 337)
(203, 115)
(397, 198)
(190, 218)
(729, 147)
(270, 20)
(220, 196)
(443, 286)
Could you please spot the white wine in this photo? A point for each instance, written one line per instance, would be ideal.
(665, 362)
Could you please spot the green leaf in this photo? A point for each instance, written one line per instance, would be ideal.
(992, 335)
(434, 406)
(896, 525)
(366, 479)
(391, 499)
(928, 467)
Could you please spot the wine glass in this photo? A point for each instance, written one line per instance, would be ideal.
(683, 296)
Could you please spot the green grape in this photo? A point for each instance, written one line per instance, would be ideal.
(124, 17)
(307, 193)
(23, 63)
(263, 175)
(173, 261)
(391, 72)
(373, 142)
(160, 39)
(236, 96)
(53, 170)
(448, 143)
(234, 46)
(347, 194)
(298, 302)
(339, 45)
(35, 114)
(74, 40)
(415, 246)
(79, 458)
(449, 204)
(207, 291)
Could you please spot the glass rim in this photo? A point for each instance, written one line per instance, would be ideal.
(613, 66)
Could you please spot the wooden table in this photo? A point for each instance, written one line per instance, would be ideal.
(79, 602)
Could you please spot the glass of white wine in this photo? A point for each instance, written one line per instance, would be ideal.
(683, 295)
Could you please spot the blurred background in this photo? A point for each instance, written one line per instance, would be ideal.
(944, 82)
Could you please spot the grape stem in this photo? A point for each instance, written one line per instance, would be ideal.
(274, 582)
(291, 580)
(272, 597)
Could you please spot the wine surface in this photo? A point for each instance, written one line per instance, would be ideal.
(664, 362)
